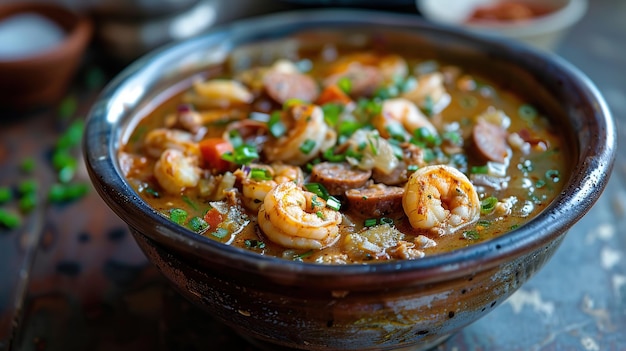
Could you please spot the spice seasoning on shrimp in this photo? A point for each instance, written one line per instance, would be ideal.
(371, 157)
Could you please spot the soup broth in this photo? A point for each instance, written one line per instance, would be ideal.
(346, 156)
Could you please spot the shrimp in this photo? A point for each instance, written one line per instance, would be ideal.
(440, 198)
(254, 191)
(307, 134)
(298, 219)
(174, 171)
(403, 114)
(218, 93)
(429, 92)
(161, 139)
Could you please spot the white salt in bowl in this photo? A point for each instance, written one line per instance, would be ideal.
(42, 47)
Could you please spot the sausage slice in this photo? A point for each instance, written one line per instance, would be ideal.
(490, 141)
(282, 86)
(339, 177)
(376, 201)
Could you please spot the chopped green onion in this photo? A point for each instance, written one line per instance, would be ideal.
(329, 155)
(259, 116)
(241, 155)
(28, 202)
(471, 235)
(317, 189)
(331, 113)
(540, 183)
(428, 155)
(388, 92)
(235, 138)
(487, 205)
(190, 202)
(260, 174)
(370, 222)
(333, 203)
(67, 108)
(72, 136)
(314, 202)
(27, 186)
(484, 223)
(307, 146)
(453, 137)
(27, 165)
(59, 193)
(220, 233)
(303, 255)
(9, 220)
(412, 168)
(197, 224)
(5, 195)
(373, 145)
(396, 131)
(178, 215)
(320, 214)
(254, 244)
(347, 128)
(553, 175)
(514, 226)
(345, 84)
(386, 220)
(293, 102)
(480, 169)
(527, 112)
(276, 127)
(152, 192)
(429, 105)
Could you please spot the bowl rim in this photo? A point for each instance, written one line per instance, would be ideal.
(588, 179)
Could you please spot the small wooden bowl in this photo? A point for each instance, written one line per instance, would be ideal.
(42, 78)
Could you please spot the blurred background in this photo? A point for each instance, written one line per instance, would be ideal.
(72, 278)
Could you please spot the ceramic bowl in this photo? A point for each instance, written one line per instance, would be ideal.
(404, 305)
(543, 31)
(42, 77)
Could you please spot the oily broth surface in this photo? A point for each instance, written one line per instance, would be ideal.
(527, 180)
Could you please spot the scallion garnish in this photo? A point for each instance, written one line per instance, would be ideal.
(429, 105)
(370, 222)
(235, 138)
(471, 235)
(178, 215)
(275, 125)
(480, 169)
(220, 233)
(317, 189)
(241, 155)
(307, 146)
(260, 174)
(197, 224)
(412, 168)
(553, 175)
(332, 112)
(333, 203)
(329, 155)
(386, 220)
(5, 195)
(488, 204)
(259, 116)
(9, 220)
(527, 112)
(254, 244)
(396, 131)
(345, 84)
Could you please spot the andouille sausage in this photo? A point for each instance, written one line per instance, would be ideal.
(282, 86)
(364, 80)
(378, 200)
(490, 141)
(339, 177)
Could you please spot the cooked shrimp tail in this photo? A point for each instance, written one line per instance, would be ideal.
(440, 198)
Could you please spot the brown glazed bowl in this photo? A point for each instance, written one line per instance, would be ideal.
(42, 78)
(403, 305)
